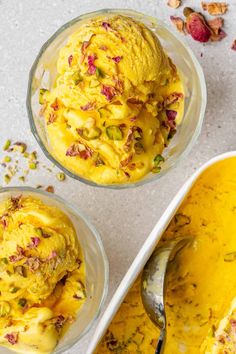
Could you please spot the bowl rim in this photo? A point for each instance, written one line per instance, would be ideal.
(86, 220)
(194, 137)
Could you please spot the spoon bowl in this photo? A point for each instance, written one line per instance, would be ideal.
(153, 285)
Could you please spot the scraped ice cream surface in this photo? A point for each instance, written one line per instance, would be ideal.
(42, 275)
(116, 102)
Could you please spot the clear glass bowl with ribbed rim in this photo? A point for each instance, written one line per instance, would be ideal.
(43, 74)
(96, 264)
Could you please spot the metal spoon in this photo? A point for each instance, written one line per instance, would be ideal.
(153, 285)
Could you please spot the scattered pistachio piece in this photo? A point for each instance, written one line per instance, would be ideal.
(13, 289)
(7, 179)
(7, 145)
(22, 178)
(157, 160)
(114, 133)
(22, 302)
(41, 95)
(7, 159)
(20, 147)
(32, 165)
(21, 270)
(61, 176)
(33, 155)
(26, 155)
(5, 308)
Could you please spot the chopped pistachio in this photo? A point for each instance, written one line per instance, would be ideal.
(22, 178)
(157, 160)
(26, 155)
(13, 289)
(33, 155)
(41, 95)
(138, 147)
(7, 159)
(61, 176)
(114, 132)
(39, 231)
(21, 270)
(7, 145)
(99, 73)
(77, 78)
(32, 165)
(5, 308)
(4, 260)
(7, 179)
(22, 302)
(20, 147)
(91, 133)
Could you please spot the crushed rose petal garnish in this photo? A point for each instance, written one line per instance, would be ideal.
(88, 107)
(103, 47)
(35, 241)
(55, 105)
(91, 67)
(52, 255)
(12, 337)
(33, 263)
(70, 58)
(117, 59)
(106, 25)
(108, 91)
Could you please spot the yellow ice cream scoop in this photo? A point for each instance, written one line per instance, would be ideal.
(115, 104)
(41, 272)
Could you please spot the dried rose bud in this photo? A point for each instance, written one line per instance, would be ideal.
(198, 28)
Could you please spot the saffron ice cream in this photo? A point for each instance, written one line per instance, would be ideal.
(116, 102)
(42, 275)
(200, 285)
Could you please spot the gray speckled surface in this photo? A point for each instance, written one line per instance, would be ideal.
(124, 218)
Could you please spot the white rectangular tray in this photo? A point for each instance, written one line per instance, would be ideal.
(146, 251)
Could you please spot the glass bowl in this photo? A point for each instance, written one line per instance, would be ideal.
(96, 264)
(44, 72)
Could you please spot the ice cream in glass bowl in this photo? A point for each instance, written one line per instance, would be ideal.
(54, 272)
(115, 98)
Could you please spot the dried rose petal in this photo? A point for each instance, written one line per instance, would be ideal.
(126, 161)
(12, 337)
(59, 322)
(88, 107)
(198, 28)
(52, 255)
(178, 22)
(73, 150)
(33, 263)
(13, 258)
(216, 24)
(85, 154)
(174, 3)
(117, 59)
(218, 37)
(52, 118)
(70, 58)
(108, 91)
(35, 242)
(103, 47)
(55, 105)
(4, 221)
(91, 67)
(215, 8)
(233, 47)
(173, 98)
(171, 115)
(106, 25)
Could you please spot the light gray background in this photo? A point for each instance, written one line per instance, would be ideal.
(124, 218)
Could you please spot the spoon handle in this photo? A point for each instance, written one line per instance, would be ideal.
(161, 342)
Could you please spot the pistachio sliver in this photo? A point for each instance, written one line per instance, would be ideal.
(138, 147)
(41, 95)
(156, 162)
(91, 133)
(114, 133)
(5, 308)
(230, 257)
